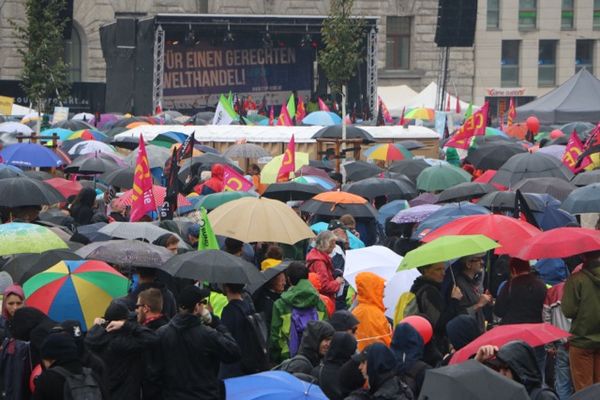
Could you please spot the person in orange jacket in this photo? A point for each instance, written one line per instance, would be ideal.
(370, 311)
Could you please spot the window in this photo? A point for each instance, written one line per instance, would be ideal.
(596, 14)
(584, 55)
(547, 63)
(73, 56)
(397, 43)
(567, 20)
(527, 14)
(493, 14)
(509, 72)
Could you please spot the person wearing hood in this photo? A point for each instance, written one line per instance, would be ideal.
(344, 321)
(83, 207)
(214, 184)
(319, 261)
(408, 348)
(342, 348)
(31, 325)
(316, 282)
(315, 343)
(370, 311)
(12, 299)
(12, 360)
(461, 331)
(168, 241)
(581, 303)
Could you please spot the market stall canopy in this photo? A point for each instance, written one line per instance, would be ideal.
(427, 96)
(396, 97)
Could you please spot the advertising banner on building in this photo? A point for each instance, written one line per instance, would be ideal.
(195, 76)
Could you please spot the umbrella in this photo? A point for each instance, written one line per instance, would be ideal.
(202, 163)
(357, 170)
(125, 142)
(322, 118)
(579, 126)
(556, 188)
(320, 165)
(65, 187)
(122, 177)
(38, 175)
(157, 156)
(126, 252)
(77, 290)
(589, 393)
(554, 150)
(62, 134)
(73, 125)
(583, 200)
(288, 191)
(388, 210)
(271, 169)
(83, 116)
(507, 231)
(422, 113)
(272, 385)
(379, 260)
(553, 217)
(411, 144)
(353, 241)
(325, 183)
(586, 178)
(214, 200)
(411, 168)
(424, 198)
(252, 219)
(214, 266)
(415, 214)
(436, 178)
(527, 165)
(493, 155)
(399, 283)
(9, 171)
(23, 266)
(245, 150)
(336, 204)
(18, 237)
(167, 139)
(465, 191)
(449, 212)
(334, 132)
(446, 248)
(269, 274)
(90, 147)
(503, 201)
(374, 187)
(91, 232)
(388, 152)
(91, 166)
(159, 194)
(15, 127)
(22, 191)
(134, 230)
(532, 334)
(470, 380)
(88, 134)
(30, 155)
(206, 149)
(559, 243)
(311, 171)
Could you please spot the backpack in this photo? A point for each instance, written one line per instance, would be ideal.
(537, 393)
(256, 357)
(79, 386)
(406, 305)
(284, 366)
(299, 319)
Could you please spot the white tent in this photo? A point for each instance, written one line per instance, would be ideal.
(396, 97)
(427, 96)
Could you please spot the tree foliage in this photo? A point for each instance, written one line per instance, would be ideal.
(344, 40)
(42, 51)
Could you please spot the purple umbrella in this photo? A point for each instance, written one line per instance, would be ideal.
(30, 155)
(415, 214)
(554, 150)
(105, 119)
(424, 198)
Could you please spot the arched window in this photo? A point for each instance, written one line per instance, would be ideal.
(73, 56)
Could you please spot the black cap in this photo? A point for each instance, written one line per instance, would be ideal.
(335, 224)
(192, 295)
(59, 346)
(116, 311)
(343, 320)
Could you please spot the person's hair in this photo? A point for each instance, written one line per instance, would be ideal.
(233, 246)
(25, 213)
(519, 266)
(146, 272)
(171, 240)
(85, 197)
(152, 298)
(348, 220)
(275, 252)
(237, 288)
(296, 271)
(323, 240)
(254, 167)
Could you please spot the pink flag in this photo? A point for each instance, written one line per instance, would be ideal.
(271, 116)
(573, 150)
(234, 181)
(347, 119)
(284, 117)
(142, 197)
(386, 113)
(448, 103)
(457, 104)
(322, 105)
(288, 163)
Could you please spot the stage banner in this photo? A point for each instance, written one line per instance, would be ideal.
(195, 76)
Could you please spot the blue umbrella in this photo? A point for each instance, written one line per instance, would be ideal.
(390, 209)
(447, 213)
(62, 133)
(272, 385)
(30, 155)
(323, 118)
(353, 241)
(553, 217)
(9, 171)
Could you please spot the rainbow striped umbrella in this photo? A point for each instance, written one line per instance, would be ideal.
(88, 134)
(75, 289)
(422, 113)
(388, 152)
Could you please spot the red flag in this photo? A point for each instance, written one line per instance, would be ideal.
(234, 181)
(512, 113)
(474, 126)
(271, 116)
(158, 109)
(284, 117)
(386, 113)
(448, 103)
(288, 163)
(347, 119)
(402, 120)
(322, 105)
(572, 153)
(142, 197)
(457, 105)
(300, 110)
(501, 121)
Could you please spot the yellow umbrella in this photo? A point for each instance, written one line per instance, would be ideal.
(271, 169)
(252, 219)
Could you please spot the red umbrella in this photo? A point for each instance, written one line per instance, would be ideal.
(507, 231)
(532, 334)
(559, 243)
(308, 170)
(487, 176)
(65, 187)
(159, 197)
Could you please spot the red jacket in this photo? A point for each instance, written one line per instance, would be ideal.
(214, 184)
(320, 263)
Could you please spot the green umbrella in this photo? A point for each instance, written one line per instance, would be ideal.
(212, 201)
(17, 238)
(441, 177)
(446, 248)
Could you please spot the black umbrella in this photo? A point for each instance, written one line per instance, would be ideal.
(8, 171)
(411, 168)
(527, 165)
(411, 144)
(493, 155)
(92, 166)
(91, 232)
(288, 191)
(269, 274)
(562, 140)
(94, 185)
(319, 164)
(337, 210)
(358, 170)
(115, 131)
(73, 124)
(556, 188)
(481, 140)
(214, 266)
(586, 178)
(127, 253)
(396, 189)
(504, 201)
(334, 132)
(465, 191)
(125, 142)
(39, 175)
(583, 200)
(23, 266)
(25, 191)
(122, 178)
(470, 380)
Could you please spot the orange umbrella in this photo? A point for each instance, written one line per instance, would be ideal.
(336, 204)
(340, 198)
(136, 124)
(518, 130)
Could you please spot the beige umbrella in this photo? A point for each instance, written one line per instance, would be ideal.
(251, 219)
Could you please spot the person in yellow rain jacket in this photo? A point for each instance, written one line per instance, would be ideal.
(370, 311)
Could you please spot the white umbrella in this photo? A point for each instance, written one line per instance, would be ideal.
(15, 127)
(83, 117)
(398, 284)
(91, 146)
(379, 260)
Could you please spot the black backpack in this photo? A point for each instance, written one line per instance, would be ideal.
(256, 357)
(79, 386)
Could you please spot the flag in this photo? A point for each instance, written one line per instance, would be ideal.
(206, 239)
(347, 120)
(402, 120)
(592, 145)
(300, 111)
(501, 121)
(288, 163)
(271, 116)
(469, 111)
(230, 99)
(322, 105)
(186, 150)
(234, 181)
(170, 204)
(572, 153)
(142, 197)
(473, 126)
(380, 121)
(448, 103)
(457, 105)
(224, 115)
(291, 106)
(158, 109)
(284, 117)
(386, 113)
(512, 113)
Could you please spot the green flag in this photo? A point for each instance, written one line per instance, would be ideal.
(291, 106)
(469, 111)
(229, 98)
(207, 239)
